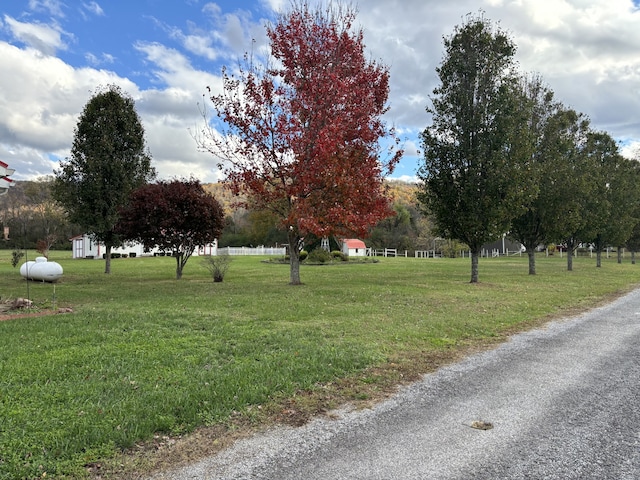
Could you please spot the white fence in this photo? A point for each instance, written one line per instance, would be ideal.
(493, 253)
(426, 254)
(386, 252)
(252, 251)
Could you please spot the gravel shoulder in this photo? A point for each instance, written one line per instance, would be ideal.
(563, 402)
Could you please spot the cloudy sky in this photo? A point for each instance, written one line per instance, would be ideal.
(54, 53)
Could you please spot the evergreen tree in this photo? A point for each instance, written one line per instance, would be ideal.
(109, 159)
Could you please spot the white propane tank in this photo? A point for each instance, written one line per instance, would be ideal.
(41, 269)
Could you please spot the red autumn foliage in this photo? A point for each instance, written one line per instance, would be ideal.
(301, 134)
(44, 245)
(175, 216)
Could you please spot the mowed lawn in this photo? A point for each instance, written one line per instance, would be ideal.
(144, 354)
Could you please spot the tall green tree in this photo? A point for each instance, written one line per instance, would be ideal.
(568, 184)
(109, 159)
(633, 242)
(529, 227)
(614, 203)
(475, 177)
(557, 137)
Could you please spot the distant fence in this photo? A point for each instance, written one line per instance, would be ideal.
(427, 254)
(386, 252)
(493, 253)
(252, 251)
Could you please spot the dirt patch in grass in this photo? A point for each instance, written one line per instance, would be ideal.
(28, 313)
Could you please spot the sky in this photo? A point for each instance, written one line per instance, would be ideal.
(164, 53)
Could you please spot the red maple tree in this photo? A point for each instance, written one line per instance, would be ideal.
(301, 133)
(175, 216)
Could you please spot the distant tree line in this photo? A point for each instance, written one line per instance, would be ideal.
(32, 216)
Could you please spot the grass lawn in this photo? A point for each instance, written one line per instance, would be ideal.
(144, 356)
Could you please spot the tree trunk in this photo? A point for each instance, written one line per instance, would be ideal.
(107, 259)
(570, 259)
(179, 266)
(532, 261)
(633, 257)
(475, 254)
(619, 254)
(598, 258)
(294, 259)
(182, 257)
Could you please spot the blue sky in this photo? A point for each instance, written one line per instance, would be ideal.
(165, 53)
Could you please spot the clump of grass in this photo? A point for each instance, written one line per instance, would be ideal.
(217, 266)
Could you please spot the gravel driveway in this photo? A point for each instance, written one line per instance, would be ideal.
(564, 403)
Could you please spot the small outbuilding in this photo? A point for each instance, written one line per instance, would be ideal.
(84, 246)
(354, 247)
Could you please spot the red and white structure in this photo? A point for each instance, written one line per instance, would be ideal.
(354, 247)
(5, 181)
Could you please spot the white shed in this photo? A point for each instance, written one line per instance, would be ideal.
(83, 246)
(354, 247)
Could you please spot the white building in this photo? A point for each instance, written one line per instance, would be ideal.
(83, 246)
(354, 247)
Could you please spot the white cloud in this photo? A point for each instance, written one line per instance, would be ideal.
(52, 7)
(171, 111)
(47, 39)
(32, 162)
(276, 5)
(200, 46)
(405, 178)
(631, 149)
(226, 35)
(94, 8)
(586, 50)
(170, 68)
(38, 111)
(411, 149)
(104, 59)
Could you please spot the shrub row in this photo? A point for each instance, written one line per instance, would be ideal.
(117, 255)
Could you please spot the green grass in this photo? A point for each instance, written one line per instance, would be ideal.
(143, 353)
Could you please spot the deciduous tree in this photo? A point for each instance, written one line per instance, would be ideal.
(109, 159)
(614, 202)
(633, 242)
(177, 216)
(47, 214)
(475, 177)
(568, 183)
(554, 133)
(302, 131)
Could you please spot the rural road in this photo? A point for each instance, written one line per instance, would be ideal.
(564, 402)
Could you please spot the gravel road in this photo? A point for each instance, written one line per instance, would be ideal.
(564, 402)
